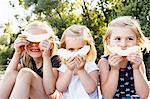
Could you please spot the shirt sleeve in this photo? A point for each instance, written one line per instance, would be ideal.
(56, 62)
(91, 66)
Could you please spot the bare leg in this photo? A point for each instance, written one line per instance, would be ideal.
(7, 84)
(28, 84)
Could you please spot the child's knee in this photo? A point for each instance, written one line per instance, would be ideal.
(25, 73)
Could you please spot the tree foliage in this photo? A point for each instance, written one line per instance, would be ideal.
(6, 49)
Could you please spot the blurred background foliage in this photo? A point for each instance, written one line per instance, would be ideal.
(95, 14)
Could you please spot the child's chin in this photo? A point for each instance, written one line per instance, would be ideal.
(36, 56)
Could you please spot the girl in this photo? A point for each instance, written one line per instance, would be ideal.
(78, 76)
(30, 72)
(123, 75)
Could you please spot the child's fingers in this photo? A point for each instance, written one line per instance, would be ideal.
(22, 36)
(81, 58)
(115, 61)
(84, 58)
(71, 65)
(70, 59)
(134, 55)
(135, 59)
(44, 45)
(21, 43)
(115, 57)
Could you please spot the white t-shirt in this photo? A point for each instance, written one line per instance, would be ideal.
(76, 89)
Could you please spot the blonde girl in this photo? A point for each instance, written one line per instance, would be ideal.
(123, 75)
(31, 72)
(78, 75)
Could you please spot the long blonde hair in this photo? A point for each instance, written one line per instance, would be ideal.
(26, 60)
(131, 23)
(81, 31)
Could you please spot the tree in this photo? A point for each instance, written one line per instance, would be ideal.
(6, 48)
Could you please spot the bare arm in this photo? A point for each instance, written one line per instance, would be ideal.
(11, 72)
(140, 79)
(108, 79)
(49, 76)
(141, 82)
(19, 44)
(64, 80)
(13, 63)
(89, 81)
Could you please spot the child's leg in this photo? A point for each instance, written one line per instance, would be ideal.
(7, 84)
(28, 84)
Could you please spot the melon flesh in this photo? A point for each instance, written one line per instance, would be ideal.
(37, 38)
(121, 52)
(66, 54)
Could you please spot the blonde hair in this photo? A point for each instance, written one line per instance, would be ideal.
(26, 59)
(81, 31)
(131, 23)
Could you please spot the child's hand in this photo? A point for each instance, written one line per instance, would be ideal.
(80, 62)
(71, 63)
(45, 47)
(115, 61)
(135, 59)
(20, 43)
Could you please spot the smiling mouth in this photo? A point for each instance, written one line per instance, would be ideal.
(35, 50)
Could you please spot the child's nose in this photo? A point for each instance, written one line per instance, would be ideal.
(75, 50)
(123, 44)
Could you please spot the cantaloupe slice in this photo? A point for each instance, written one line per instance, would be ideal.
(66, 54)
(122, 52)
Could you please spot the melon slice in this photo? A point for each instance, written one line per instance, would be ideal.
(67, 54)
(125, 52)
(37, 38)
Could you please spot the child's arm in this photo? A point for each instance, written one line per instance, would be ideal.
(49, 74)
(11, 72)
(89, 81)
(141, 83)
(140, 79)
(109, 78)
(13, 63)
(64, 79)
(19, 44)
